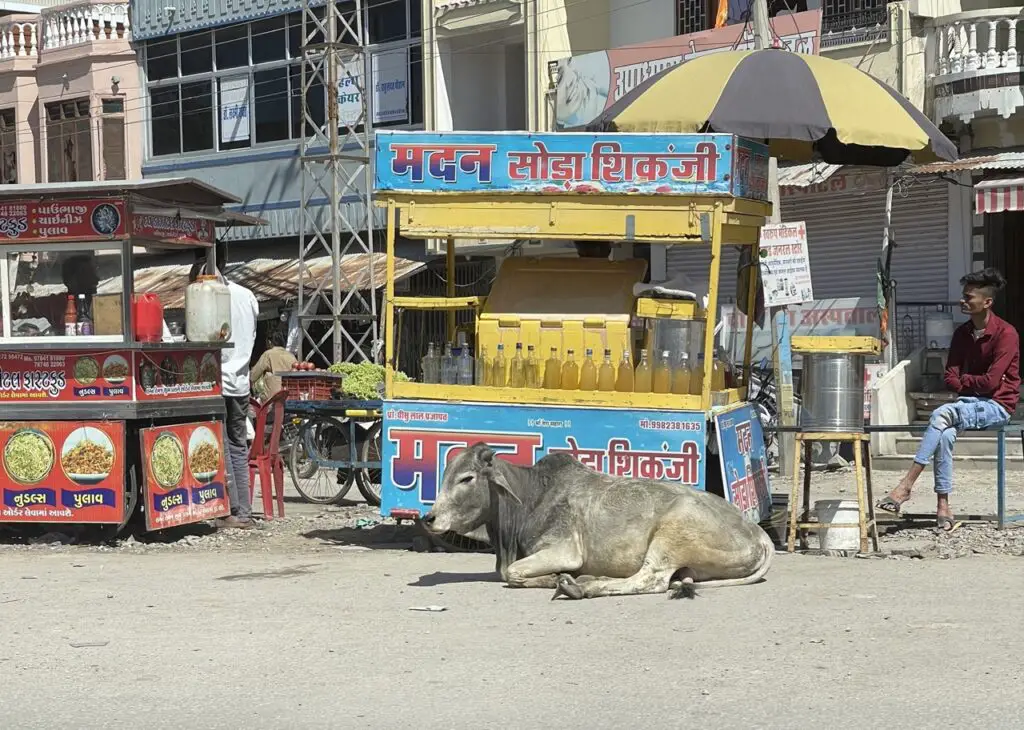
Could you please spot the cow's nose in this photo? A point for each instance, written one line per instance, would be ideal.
(428, 518)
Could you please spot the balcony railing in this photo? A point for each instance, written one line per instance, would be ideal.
(18, 37)
(982, 40)
(868, 24)
(70, 25)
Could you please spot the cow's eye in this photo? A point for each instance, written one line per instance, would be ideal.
(466, 479)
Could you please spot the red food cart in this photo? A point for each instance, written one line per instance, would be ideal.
(98, 426)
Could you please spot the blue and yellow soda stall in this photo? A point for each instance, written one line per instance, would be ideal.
(563, 354)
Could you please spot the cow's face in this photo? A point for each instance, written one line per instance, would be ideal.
(465, 501)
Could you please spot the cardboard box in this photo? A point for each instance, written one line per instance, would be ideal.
(106, 314)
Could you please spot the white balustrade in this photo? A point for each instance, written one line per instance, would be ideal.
(70, 25)
(982, 40)
(18, 39)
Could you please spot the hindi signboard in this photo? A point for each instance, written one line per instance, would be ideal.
(420, 438)
(744, 463)
(547, 163)
(785, 264)
(62, 471)
(589, 84)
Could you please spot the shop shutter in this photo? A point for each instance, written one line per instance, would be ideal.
(695, 261)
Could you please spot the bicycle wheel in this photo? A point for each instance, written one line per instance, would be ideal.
(368, 479)
(316, 484)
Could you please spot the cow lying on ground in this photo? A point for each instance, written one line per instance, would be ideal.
(561, 525)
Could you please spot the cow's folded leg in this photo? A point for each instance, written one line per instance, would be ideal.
(540, 569)
(644, 580)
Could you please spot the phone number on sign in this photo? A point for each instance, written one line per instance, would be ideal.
(648, 425)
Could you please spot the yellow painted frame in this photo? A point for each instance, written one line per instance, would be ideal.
(661, 219)
(853, 344)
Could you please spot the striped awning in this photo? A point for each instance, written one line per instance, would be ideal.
(998, 196)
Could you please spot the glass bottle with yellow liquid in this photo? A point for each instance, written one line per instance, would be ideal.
(624, 380)
(643, 377)
(682, 375)
(661, 380)
(483, 368)
(517, 369)
(553, 371)
(570, 372)
(588, 372)
(717, 375)
(697, 376)
(606, 374)
(531, 370)
(499, 369)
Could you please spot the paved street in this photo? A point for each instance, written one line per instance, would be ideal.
(308, 625)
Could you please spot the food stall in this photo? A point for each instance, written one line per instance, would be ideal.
(574, 354)
(103, 416)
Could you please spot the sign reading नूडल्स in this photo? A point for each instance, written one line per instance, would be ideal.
(62, 471)
(681, 164)
(785, 264)
(744, 466)
(420, 439)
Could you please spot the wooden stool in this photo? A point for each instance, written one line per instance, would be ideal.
(865, 498)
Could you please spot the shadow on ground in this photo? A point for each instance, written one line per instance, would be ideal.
(378, 537)
(432, 580)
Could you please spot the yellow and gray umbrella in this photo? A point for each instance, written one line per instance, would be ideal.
(806, 107)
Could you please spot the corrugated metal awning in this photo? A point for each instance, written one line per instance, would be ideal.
(999, 196)
(1000, 161)
(803, 176)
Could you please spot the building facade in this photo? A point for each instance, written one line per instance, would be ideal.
(70, 103)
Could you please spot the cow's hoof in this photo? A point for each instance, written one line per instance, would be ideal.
(566, 586)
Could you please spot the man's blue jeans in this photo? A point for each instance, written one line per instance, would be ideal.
(965, 414)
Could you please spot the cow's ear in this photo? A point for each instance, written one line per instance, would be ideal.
(496, 478)
(485, 455)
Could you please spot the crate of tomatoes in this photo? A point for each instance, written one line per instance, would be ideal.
(306, 381)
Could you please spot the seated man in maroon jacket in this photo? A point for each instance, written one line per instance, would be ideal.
(984, 370)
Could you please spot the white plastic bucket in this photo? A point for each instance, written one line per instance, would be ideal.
(838, 512)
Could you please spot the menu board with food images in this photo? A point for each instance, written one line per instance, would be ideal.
(62, 471)
(185, 474)
(182, 374)
(65, 378)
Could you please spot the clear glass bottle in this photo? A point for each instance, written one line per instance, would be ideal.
(499, 369)
(661, 380)
(643, 376)
(449, 374)
(517, 369)
(553, 371)
(624, 379)
(532, 368)
(588, 372)
(570, 372)
(483, 368)
(682, 375)
(465, 366)
(606, 374)
(428, 365)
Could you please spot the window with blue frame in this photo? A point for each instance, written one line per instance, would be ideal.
(240, 86)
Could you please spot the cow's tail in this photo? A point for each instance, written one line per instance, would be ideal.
(767, 553)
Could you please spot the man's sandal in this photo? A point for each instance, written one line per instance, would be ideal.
(890, 505)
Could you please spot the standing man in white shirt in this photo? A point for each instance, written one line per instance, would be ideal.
(234, 364)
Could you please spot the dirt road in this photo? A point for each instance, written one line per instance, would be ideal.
(321, 635)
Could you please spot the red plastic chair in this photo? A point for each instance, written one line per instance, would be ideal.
(265, 463)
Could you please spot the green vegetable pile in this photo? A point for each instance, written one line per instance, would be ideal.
(363, 381)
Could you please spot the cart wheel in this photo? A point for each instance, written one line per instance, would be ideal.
(317, 484)
(368, 479)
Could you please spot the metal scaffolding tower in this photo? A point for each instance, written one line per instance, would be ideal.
(336, 187)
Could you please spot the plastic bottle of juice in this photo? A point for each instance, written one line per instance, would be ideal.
(624, 381)
(499, 370)
(483, 368)
(697, 376)
(642, 380)
(532, 368)
(553, 371)
(661, 380)
(606, 374)
(517, 369)
(570, 372)
(682, 376)
(588, 372)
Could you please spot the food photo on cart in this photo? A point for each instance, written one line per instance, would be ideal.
(112, 422)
